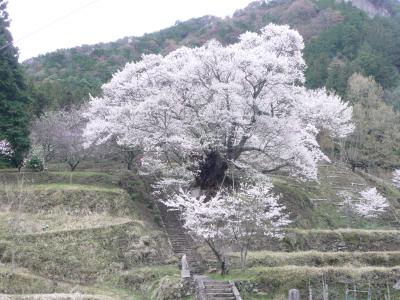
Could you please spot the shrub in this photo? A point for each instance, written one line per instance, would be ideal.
(35, 160)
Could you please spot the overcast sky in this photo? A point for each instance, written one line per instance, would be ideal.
(101, 20)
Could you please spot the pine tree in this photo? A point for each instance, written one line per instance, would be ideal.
(14, 99)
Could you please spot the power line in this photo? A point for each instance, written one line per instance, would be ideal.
(50, 24)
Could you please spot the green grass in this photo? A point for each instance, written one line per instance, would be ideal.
(82, 173)
(276, 281)
(57, 221)
(104, 239)
(90, 253)
(319, 259)
(306, 212)
(78, 177)
(20, 281)
(324, 240)
(72, 199)
(21, 284)
(74, 187)
(81, 228)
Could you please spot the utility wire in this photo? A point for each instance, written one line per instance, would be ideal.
(50, 24)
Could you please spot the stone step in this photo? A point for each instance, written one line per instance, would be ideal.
(210, 286)
(220, 290)
(212, 294)
(181, 242)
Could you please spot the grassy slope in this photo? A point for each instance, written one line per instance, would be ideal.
(72, 222)
(317, 205)
(78, 229)
(325, 242)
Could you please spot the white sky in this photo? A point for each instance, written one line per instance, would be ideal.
(101, 21)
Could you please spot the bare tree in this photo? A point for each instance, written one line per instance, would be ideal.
(60, 136)
(43, 131)
(69, 138)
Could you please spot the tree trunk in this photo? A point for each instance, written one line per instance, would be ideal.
(243, 258)
(13, 267)
(213, 172)
(129, 157)
(130, 165)
(219, 256)
(73, 166)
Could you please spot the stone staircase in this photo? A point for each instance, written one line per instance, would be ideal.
(208, 289)
(181, 242)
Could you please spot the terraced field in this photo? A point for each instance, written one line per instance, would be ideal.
(67, 235)
(80, 235)
(326, 245)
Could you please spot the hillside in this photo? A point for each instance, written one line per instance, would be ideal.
(77, 233)
(97, 232)
(81, 233)
(68, 76)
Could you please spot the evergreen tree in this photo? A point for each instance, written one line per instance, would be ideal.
(14, 99)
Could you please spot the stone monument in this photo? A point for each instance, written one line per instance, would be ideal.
(185, 272)
(294, 294)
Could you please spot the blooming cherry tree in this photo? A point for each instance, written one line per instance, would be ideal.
(231, 217)
(202, 116)
(396, 178)
(5, 148)
(371, 203)
(204, 109)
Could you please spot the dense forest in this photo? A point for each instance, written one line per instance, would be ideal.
(350, 51)
(341, 40)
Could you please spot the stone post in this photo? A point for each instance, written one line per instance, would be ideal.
(294, 294)
(185, 272)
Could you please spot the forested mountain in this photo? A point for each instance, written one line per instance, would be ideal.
(341, 40)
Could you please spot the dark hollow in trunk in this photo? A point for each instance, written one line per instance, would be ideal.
(213, 172)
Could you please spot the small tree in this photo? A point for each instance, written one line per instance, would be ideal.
(69, 138)
(35, 159)
(60, 136)
(396, 178)
(231, 216)
(370, 203)
(5, 149)
(43, 133)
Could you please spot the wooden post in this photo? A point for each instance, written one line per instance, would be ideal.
(355, 292)
(388, 290)
(325, 291)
